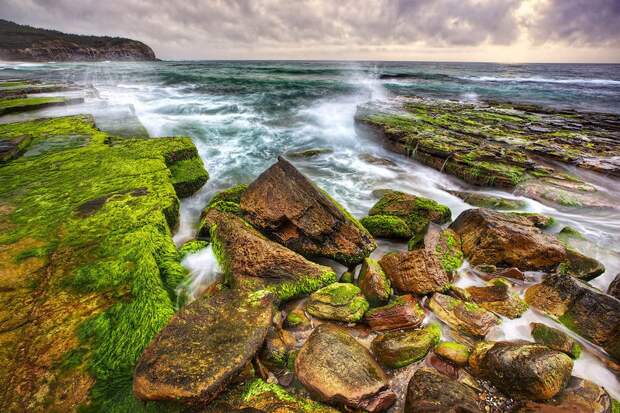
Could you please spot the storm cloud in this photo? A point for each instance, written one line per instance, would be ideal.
(247, 28)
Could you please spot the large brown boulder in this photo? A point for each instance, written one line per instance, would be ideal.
(580, 396)
(465, 317)
(374, 284)
(431, 392)
(418, 271)
(337, 369)
(530, 371)
(250, 260)
(402, 312)
(584, 309)
(288, 207)
(339, 302)
(205, 345)
(396, 349)
(506, 240)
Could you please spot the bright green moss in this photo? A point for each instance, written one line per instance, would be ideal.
(22, 104)
(449, 251)
(386, 226)
(19, 83)
(191, 247)
(188, 176)
(295, 289)
(232, 195)
(101, 211)
(615, 406)
(258, 389)
(294, 319)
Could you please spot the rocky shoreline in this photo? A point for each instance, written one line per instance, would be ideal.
(94, 316)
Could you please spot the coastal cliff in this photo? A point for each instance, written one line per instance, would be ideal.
(26, 43)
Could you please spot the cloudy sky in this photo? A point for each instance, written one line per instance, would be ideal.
(454, 30)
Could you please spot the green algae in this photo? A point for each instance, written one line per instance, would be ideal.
(338, 301)
(449, 252)
(232, 194)
(191, 247)
(103, 211)
(28, 103)
(188, 176)
(386, 226)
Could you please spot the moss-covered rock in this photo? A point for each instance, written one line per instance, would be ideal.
(489, 201)
(555, 339)
(275, 351)
(402, 312)
(288, 207)
(374, 284)
(339, 370)
(251, 261)
(418, 271)
(580, 266)
(308, 153)
(530, 371)
(296, 319)
(260, 396)
(24, 104)
(338, 301)
(465, 317)
(411, 208)
(454, 352)
(498, 298)
(187, 362)
(396, 349)
(582, 308)
(347, 277)
(387, 226)
(191, 247)
(188, 176)
(89, 269)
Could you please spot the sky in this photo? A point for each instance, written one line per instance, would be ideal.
(436, 30)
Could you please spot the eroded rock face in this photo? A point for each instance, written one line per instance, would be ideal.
(506, 240)
(418, 271)
(338, 301)
(250, 260)
(580, 396)
(498, 298)
(464, 317)
(587, 311)
(288, 207)
(396, 349)
(530, 371)
(205, 345)
(337, 369)
(403, 312)
(374, 283)
(432, 392)
(614, 287)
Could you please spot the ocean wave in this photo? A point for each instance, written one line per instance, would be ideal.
(419, 75)
(542, 80)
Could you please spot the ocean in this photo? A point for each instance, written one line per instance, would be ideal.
(243, 115)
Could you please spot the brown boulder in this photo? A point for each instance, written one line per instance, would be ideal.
(580, 396)
(498, 298)
(250, 260)
(614, 287)
(530, 371)
(418, 271)
(337, 369)
(205, 345)
(288, 207)
(432, 392)
(584, 309)
(465, 317)
(403, 312)
(374, 283)
(506, 240)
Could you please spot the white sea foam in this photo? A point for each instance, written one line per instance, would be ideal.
(535, 79)
(203, 269)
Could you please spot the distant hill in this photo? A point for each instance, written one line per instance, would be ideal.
(25, 43)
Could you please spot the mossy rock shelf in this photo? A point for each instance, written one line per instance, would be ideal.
(88, 269)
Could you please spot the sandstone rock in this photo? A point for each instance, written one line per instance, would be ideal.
(539, 220)
(417, 271)
(489, 201)
(555, 339)
(580, 266)
(455, 352)
(250, 260)
(374, 283)
(580, 396)
(336, 369)
(614, 287)
(205, 345)
(403, 312)
(498, 298)
(275, 351)
(396, 349)
(296, 319)
(490, 237)
(338, 301)
(432, 392)
(530, 371)
(464, 317)
(288, 207)
(587, 311)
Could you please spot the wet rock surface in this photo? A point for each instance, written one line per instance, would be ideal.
(396, 349)
(614, 287)
(431, 391)
(530, 371)
(374, 283)
(418, 271)
(284, 204)
(498, 298)
(454, 352)
(402, 312)
(204, 347)
(555, 339)
(337, 369)
(495, 238)
(582, 308)
(339, 302)
(250, 260)
(465, 317)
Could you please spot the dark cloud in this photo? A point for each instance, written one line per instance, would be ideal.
(208, 28)
(578, 22)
